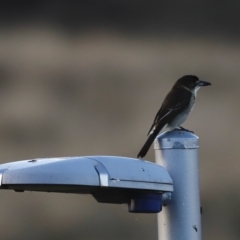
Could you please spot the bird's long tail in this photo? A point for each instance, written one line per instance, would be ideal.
(147, 144)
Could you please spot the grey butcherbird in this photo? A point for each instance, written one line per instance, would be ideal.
(175, 108)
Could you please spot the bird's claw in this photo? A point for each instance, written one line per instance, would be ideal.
(184, 129)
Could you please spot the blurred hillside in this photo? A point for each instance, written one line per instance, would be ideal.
(86, 78)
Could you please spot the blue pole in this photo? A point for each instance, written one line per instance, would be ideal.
(177, 152)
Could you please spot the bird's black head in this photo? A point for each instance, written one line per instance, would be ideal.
(190, 82)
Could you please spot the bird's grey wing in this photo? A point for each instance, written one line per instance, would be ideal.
(173, 104)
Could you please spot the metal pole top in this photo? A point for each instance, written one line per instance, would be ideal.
(176, 139)
(177, 151)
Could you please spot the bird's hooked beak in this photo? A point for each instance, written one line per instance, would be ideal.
(203, 83)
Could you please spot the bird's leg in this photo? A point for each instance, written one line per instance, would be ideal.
(184, 129)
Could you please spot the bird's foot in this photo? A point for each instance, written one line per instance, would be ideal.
(184, 129)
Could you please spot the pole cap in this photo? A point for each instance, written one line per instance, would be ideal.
(176, 139)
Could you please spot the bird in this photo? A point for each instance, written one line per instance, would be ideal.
(175, 108)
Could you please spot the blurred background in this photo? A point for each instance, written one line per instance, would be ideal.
(87, 78)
